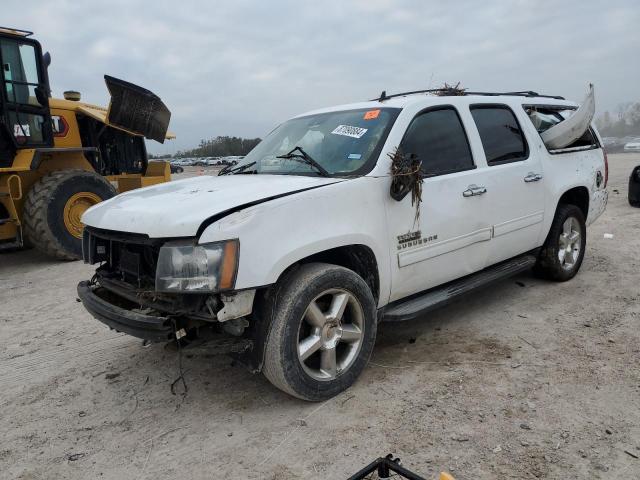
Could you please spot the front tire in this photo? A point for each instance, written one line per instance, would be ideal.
(563, 251)
(323, 329)
(54, 206)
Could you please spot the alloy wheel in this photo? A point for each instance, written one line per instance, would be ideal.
(569, 243)
(330, 334)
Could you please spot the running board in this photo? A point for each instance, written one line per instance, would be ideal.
(440, 296)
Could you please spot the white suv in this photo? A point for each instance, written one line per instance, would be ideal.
(295, 254)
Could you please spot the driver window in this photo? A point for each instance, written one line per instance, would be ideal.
(438, 138)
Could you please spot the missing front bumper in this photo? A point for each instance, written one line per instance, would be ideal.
(148, 327)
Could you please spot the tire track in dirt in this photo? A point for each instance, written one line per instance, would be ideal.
(22, 370)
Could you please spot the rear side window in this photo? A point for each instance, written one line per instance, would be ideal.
(502, 138)
(438, 138)
(545, 118)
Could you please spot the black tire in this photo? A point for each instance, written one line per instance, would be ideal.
(549, 264)
(634, 187)
(44, 210)
(294, 294)
(179, 170)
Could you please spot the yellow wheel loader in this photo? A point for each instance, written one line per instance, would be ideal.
(59, 157)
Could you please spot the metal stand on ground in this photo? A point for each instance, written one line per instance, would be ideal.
(385, 468)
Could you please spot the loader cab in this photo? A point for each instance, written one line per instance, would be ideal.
(25, 118)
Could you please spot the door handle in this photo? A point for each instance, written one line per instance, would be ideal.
(474, 190)
(532, 177)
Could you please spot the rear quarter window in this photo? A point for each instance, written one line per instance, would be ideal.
(545, 118)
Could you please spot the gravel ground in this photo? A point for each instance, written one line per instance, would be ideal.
(527, 379)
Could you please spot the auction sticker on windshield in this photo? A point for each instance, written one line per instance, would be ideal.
(371, 114)
(349, 131)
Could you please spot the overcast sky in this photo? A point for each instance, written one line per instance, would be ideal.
(240, 67)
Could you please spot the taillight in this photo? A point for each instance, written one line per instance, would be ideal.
(606, 169)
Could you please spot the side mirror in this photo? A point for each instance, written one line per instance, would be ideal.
(406, 173)
(406, 176)
(400, 187)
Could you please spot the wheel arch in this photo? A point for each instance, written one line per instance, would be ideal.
(356, 257)
(578, 196)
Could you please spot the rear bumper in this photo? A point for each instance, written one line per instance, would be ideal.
(597, 205)
(147, 327)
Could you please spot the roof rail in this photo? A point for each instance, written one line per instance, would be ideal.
(383, 96)
(528, 93)
(16, 31)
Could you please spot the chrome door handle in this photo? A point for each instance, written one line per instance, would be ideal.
(532, 177)
(474, 190)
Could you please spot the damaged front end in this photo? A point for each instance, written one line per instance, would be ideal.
(151, 289)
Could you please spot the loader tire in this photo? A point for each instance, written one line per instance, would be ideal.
(53, 208)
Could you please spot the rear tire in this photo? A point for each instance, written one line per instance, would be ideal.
(53, 208)
(323, 328)
(563, 251)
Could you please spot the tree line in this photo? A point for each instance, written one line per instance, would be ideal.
(220, 146)
(623, 122)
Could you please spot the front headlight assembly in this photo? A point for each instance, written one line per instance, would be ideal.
(188, 268)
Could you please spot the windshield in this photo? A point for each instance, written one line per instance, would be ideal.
(342, 143)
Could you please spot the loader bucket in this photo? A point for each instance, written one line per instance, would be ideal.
(137, 110)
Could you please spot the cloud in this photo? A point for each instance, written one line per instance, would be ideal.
(240, 67)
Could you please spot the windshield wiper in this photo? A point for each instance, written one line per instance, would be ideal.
(304, 157)
(241, 168)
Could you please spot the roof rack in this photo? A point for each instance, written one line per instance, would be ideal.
(16, 31)
(528, 93)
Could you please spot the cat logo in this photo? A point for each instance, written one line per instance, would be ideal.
(21, 131)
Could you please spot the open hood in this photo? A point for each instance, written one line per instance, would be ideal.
(137, 110)
(177, 209)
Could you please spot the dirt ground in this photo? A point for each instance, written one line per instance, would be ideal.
(527, 379)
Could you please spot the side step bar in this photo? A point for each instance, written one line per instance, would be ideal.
(440, 296)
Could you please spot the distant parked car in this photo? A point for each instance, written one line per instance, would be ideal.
(183, 162)
(214, 162)
(230, 160)
(633, 145)
(175, 168)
